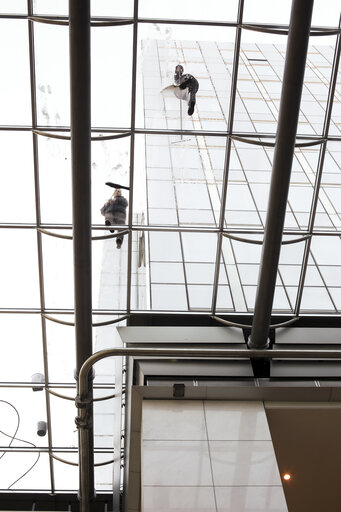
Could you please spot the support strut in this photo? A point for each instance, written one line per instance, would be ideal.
(80, 75)
(296, 54)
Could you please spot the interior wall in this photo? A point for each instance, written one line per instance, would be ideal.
(208, 456)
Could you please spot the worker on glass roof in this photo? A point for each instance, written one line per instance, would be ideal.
(114, 211)
(189, 83)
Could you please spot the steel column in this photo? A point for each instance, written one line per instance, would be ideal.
(80, 83)
(296, 54)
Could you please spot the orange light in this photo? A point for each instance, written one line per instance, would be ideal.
(286, 476)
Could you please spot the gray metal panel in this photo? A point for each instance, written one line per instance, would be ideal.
(314, 369)
(312, 335)
(181, 335)
(297, 394)
(197, 369)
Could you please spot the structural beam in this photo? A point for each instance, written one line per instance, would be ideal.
(80, 76)
(296, 54)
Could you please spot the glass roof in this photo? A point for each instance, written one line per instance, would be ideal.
(177, 165)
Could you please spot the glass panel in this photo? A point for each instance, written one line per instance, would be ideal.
(52, 7)
(200, 296)
(316, 299)
(98, 7)
(199, 247)
(31, 408)
(13, 6)
(66, 476)
(164, 247)
(64, 433)
(326, 250)
(201, 273)
(110, 163)
(52, 82)
(55, 180)
(189, 10)
(336, 297)
(104, 420)
(280, 302)
(265, 11)
(118, 8)
(232, 298)
(19, 269)
(22, 336)
(167, 273)
(58, 268)
(111, 78)
(61, 350)
(37, 479)
(200, 51)
(181, 182)
(168, 297)
(109, 274)
(246, 253)
(17, 178)
(259, 82)
(105, 337)
(104, 474)
(15, 101)
(331, 275)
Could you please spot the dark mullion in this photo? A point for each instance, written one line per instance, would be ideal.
(132, 153)
(39, 238)
(228, 152)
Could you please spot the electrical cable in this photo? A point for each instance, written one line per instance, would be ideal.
(13, 437)
(17, 427)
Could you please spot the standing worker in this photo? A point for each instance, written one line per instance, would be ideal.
(188, 82)
(114, 211)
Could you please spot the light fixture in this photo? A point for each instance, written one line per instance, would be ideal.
(287, 476)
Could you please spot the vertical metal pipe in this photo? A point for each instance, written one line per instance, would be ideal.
(80, 87)
(296, 54)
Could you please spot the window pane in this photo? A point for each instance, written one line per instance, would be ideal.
(58, 268)
(169, 297)
(53, 7)
(165, 247)
(61, 350)
(13, 6)
(200, 50)
(31, 409)
(199, 247)
(38, 479)
(17, 178)
(55, 180)
(15, 101)
(19, 269)
(111, 78)
(189, 10)
(167, 273)
(64, 433)
(109, 274)
(23, 336)
(52, 82)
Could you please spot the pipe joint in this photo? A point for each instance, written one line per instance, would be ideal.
(82, 423)
(251, 345)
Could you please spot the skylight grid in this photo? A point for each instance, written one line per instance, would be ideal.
(192, 180)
